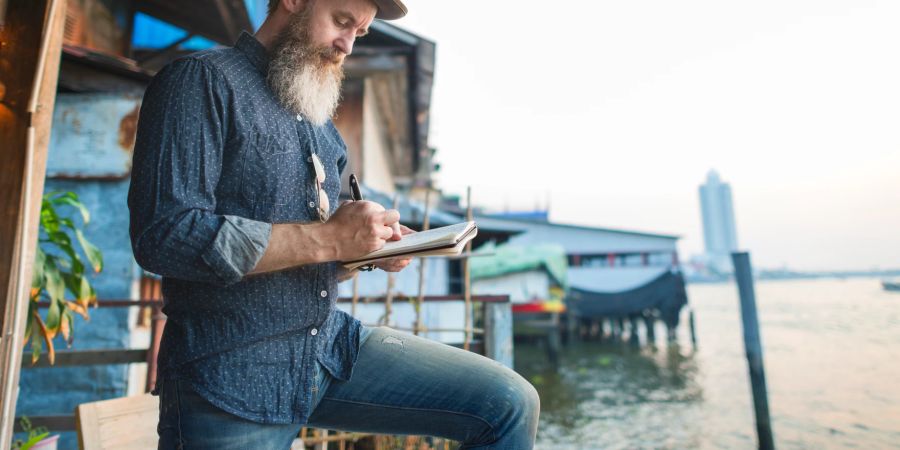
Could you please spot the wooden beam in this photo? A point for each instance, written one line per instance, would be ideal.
(30, 46)
(91, 357)
(62, 422)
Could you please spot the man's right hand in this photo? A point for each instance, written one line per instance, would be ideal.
(354, 230)
(358, 228)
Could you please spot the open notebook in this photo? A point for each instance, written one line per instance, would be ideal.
(444, 241)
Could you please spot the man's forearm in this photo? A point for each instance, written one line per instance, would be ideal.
(293, 244)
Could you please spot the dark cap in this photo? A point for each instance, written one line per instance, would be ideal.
(390, 9)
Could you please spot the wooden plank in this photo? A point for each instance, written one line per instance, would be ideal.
(53, 423)
(498, 333)
(31, 36)
(115, 303)
(91, 357)
(440, 298)
(120, 423)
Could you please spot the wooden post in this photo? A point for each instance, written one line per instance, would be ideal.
(693, 324)
(388, 300)
(498, 335)
(389, 295)
(421, 298)
(30, 47)
(753, 348)
(355, 300)
(571, 327)
(620, 325)
(467, 282)
(649, 325)
(157, 325)
(633, 337)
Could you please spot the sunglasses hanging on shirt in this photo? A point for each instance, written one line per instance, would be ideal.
(324, 207)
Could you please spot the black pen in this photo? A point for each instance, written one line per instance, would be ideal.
(355, 194)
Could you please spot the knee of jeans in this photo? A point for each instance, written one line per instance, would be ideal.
(523, 401)
(530, 401)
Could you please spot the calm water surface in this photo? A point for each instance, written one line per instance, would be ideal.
(832, 358)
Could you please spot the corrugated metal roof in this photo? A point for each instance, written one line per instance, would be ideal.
(525, 224)
(219, 20)
(583, 240)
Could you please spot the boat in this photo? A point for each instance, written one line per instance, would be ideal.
(891, 285)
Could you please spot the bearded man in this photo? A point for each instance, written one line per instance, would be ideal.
(236, 170)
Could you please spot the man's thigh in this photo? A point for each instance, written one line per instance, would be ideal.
(404, 384)
(187, 421)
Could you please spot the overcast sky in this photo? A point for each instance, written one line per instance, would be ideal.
(616, 110)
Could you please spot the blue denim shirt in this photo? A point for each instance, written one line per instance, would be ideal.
(217, 161)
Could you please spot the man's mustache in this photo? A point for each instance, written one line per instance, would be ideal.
(330, 55)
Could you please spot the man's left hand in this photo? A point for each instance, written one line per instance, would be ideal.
(396, 264)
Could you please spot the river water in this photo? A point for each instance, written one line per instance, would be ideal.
(832, 359)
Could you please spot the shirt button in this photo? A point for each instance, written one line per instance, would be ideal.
(299, 118)
(312, 204)
(324, 294)
(314, 332)
(309, 159)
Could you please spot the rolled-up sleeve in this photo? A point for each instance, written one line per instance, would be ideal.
(175, 231)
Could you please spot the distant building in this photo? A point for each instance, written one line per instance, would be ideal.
(719, 233)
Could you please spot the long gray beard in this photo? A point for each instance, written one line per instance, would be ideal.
(302, 83)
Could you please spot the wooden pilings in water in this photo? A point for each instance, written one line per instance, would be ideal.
(743, 273)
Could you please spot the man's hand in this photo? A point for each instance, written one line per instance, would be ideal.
(361, 227)
(354, 230)
(396, 264)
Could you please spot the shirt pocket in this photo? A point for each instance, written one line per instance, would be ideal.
(273, 172)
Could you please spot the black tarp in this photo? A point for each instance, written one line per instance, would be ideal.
(665, 293)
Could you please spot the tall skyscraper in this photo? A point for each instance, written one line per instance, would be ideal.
(719, 233)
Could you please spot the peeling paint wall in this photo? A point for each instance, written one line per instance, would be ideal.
(93, 136)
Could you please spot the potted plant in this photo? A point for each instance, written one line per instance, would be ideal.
(36, 439)
(58, 269)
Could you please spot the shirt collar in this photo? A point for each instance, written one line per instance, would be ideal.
(254, 50)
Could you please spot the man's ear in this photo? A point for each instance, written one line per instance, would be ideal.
(293, 6)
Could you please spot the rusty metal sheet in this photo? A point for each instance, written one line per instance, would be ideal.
(93, 136)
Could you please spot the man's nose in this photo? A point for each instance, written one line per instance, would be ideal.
(345, 44)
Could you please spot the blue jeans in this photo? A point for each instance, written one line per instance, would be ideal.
(401, 384)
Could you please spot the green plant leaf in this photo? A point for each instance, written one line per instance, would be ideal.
(66, 325)
(32, 441)
(92, 252)
(53, 316)
(71, 199)
(56, 289)
(29, 324)
(74, 263)
(37, 344)
(67, 222)
(61, 239)
(49, 218)
(37, 272)
(85, 290)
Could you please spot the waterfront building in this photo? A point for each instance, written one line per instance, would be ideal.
(611, 275)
